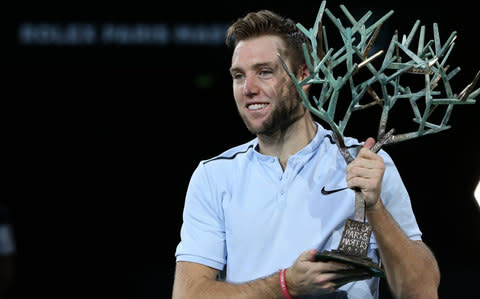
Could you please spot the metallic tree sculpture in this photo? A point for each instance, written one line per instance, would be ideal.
(427, 60)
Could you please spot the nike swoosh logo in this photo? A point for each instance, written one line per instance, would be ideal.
(327, 192)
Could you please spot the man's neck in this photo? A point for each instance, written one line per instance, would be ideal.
(287, 142)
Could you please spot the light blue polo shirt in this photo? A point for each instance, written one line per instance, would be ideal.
(242, 210)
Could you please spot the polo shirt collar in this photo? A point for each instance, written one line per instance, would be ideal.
(301, 154)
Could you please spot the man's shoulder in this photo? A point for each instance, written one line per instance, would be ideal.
(350, 142)
(233, 154)
(353, 145)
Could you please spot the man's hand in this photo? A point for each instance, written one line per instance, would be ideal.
(307, 276)
(366, 173)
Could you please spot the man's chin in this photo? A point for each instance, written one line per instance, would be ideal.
(269, 127)
(260, 127)
(255, 128)
(261, 130)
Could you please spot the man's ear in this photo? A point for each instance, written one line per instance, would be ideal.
(302, 73)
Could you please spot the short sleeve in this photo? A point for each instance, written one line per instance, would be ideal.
(203, 229)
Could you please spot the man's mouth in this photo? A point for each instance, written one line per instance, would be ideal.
(257, 106)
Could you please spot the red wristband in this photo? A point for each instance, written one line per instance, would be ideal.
(283, 285)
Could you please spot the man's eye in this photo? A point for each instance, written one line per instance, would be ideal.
(237, 76)
(265, 73)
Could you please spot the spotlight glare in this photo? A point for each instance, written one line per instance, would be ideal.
(477, 193)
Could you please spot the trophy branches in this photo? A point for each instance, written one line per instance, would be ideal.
(381, 85)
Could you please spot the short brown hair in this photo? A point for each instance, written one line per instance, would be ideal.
(265, 22)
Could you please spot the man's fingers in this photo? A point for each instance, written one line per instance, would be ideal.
(364, 184)
(366, 159)
(329, 281)
(311, 276)
(366, 171)
(331, 267)
(366, 154)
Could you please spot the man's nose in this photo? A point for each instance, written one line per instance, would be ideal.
(250, 87)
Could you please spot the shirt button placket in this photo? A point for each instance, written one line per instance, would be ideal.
(284, 183)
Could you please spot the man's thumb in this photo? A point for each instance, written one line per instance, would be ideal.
(369, 143)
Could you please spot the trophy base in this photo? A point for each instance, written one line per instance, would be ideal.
(364, 266)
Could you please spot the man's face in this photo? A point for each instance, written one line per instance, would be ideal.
(266, 97)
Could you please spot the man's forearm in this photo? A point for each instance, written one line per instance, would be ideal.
(187, 286)
(265, 288)
(411, 269)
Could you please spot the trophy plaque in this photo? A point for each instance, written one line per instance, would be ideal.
(372, 82)
(353, 249)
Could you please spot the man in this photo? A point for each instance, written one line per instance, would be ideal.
(257, 208)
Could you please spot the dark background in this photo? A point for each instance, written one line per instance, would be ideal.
(100, 141)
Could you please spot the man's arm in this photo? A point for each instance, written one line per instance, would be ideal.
(305, 276)
(194, 280)
(411, 269)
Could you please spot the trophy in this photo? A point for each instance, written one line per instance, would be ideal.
(380, 85)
